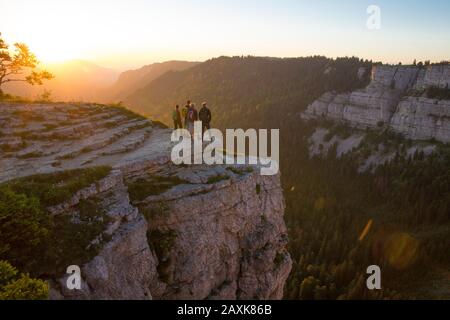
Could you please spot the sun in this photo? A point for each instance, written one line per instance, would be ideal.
(52, 35)
(49, 52)
(54, 57)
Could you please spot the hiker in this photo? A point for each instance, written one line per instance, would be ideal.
(191, 117)
(176, 116)
(205, 117)
(184, 112)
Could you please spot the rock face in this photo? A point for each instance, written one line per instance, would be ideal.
(437, 76)
(176, 232)
(367, 153)
(387, 101)
(230, 236)
(422, 119)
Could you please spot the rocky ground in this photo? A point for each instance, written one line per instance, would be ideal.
(169, 232)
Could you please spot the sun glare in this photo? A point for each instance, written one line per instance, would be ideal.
(53, 35)
(48, 53)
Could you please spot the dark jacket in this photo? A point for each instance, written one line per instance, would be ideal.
(192, 114)
(205, 115)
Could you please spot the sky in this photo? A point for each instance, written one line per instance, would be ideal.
(128, 34)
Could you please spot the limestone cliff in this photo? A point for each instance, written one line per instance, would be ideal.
(170, 232)
(394, 99)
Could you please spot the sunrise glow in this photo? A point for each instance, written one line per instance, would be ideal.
(131, 33)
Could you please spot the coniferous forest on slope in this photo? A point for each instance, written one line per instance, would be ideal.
(251, 92)
(404, 207)
(340, 221)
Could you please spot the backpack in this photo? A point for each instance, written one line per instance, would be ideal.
(191, 115)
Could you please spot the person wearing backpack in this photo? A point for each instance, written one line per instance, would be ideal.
(205, 117)
(176, 117)
(192, 116)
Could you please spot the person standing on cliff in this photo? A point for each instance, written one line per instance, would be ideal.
(176, 116)
(192, 116)
(184, 112)
(205, 117)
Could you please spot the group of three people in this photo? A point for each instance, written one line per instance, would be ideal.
(189, 115)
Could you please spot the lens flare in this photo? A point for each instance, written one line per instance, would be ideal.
(401, 250)
(366, 230)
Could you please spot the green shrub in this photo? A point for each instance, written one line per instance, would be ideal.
(57, 187)
(240, 171)
(42, 244)
(125, 111)
(162, 242)
(141, 188)
(343, 131)
(50, 126)
(141, 126)
(9, 148)
(67, 156)
(159, 124)
(279, 258)
(217, 178)
(438, 93)
(330, 134)
(156, 209)
(10, 98)
(15, 286)
(70, 238)
(23, 225)
(110, 125)
(33, 154)
(258, 188)
(7, 273)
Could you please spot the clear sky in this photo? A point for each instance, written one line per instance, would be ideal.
(123, 34)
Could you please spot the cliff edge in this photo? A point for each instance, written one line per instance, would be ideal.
(152, 230)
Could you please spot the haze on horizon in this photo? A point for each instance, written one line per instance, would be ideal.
(127, 34)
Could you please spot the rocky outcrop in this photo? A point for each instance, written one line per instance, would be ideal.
(395, 77)
(386, 101)
(422, 119)
(174, 232)
(367, 150)
(436, 76)
(229, 237)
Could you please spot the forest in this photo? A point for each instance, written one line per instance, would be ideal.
(249, 92)
(341, 221)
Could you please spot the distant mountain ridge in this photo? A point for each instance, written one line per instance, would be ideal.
(132, 80)
(80, 80)
(76, 80)
(249, 89)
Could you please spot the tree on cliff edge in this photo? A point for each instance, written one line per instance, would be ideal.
(20, 65)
